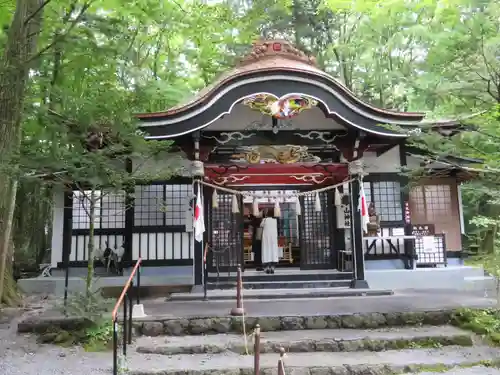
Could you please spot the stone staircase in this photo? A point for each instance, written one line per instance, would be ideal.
(282, 279)
(284, 284)
(354, 344)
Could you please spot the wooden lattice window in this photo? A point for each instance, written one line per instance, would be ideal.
(109, 209)
(162, 204)
(387, 198)
(436, 202)
(431, 202)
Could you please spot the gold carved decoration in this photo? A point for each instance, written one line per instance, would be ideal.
(287, 106)
(275, 154)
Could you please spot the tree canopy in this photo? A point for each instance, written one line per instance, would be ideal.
(71, 68)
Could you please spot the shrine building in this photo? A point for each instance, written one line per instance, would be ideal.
(278, 133)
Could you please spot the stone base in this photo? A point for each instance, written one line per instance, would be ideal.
(138, 311)
(359, 284)
(237, 311)
(204, 326)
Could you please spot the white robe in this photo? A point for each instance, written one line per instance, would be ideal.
(270, 252)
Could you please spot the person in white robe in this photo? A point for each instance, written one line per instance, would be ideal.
(270, 253)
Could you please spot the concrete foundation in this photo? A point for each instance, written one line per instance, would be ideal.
(451, 278)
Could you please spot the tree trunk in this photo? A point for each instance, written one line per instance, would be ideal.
(6, 245)
(14, 72)
(11, 295)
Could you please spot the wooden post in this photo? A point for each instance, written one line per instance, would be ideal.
(281, 362)
(256, 350)
(205, 272)
(238, 310)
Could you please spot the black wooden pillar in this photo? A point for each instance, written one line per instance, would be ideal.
(405, 199)
(67, 223)
(67, 235)
(198, 246)
(359, 281)
(337, 237)
(129, 219)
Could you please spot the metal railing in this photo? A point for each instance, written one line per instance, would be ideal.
(125, 299)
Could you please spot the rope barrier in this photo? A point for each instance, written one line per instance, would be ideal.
(260, 195)
(281, 362)
(243, 320)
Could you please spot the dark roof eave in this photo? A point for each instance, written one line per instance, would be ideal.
(176, 110)
(457, 161)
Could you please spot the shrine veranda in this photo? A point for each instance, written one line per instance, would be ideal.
(278, 131)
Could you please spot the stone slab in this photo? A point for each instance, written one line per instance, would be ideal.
(324, 340)
(356, 363)
(263, 285)
(154, 326)
(474, 370)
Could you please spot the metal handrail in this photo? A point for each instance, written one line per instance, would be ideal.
(126, 288)
(127, 314)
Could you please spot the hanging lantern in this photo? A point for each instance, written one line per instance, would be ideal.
(255, 207)
(317, 204)
(338, 200)
(298, 207)
(277, 210)
(236, 206)
(215, 199)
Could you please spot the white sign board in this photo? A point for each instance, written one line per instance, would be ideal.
(429, 245)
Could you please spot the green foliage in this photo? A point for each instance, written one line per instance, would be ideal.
(93, 337)
(92, 307)
(99, 337)
(430, 343)
(96, 334)
(482, 322)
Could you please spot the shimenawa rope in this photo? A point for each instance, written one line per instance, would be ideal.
(260, 195)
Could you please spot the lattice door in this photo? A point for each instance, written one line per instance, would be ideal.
(316, 240)
(225, 235)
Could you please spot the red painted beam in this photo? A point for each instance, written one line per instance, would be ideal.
(276, 174)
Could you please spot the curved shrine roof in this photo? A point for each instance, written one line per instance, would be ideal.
(274, 56)
(278, 69)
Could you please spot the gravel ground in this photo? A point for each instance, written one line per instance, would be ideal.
(21, 355)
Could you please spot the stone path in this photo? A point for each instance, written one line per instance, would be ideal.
(404, 300)
(21, 355)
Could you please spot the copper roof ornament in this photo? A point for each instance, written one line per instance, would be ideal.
(271, 48)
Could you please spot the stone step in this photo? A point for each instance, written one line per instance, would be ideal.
(356, 363)
(306, 284)
(327, 340)
(467, 370)
(282, 275)
(254, 294)
(199, 325)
